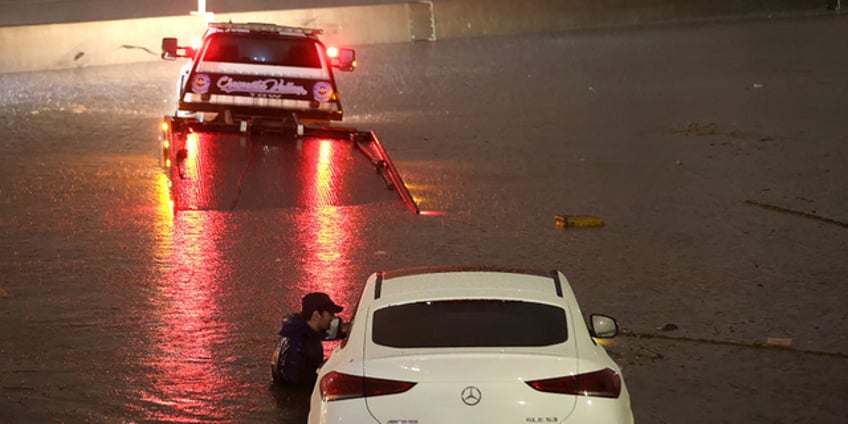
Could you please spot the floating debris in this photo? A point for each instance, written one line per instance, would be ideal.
(644, 352)
(577, 221)
(778, 341)
(797, 213)
(669, 327)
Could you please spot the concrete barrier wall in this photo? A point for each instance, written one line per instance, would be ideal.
(472, 18)
(60, 46)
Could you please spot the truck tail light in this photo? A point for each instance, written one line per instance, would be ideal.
(338, 386)
(604, 383)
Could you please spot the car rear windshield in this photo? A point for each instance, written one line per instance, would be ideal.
(263, 50)
(469, 323)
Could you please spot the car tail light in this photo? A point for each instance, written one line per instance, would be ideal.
(338, 386)
(603, 383)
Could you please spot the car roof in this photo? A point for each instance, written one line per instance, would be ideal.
(467, 281)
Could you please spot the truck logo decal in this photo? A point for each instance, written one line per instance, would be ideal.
(268, 86)
(322, 91)
(200, 84)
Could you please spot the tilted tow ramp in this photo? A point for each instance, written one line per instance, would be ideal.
(219, 167)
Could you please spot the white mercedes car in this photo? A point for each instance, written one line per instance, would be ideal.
(471, 345)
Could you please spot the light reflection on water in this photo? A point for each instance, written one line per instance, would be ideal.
(325, 232)
(190, 373)
(189, 378)
(227, 172)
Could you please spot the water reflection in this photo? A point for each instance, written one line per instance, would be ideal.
(188, 378)
(190, 370)
(205, 169)
(248, 172)
(326, 235)
(324, 230)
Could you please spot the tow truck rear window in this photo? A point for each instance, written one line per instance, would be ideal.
(265, 50)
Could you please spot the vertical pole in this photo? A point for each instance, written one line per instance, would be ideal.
(201, 11)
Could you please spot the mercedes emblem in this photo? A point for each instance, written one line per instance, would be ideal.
(471, 396)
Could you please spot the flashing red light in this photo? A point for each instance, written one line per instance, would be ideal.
(604, 383)
(332, 52)
(338, 386)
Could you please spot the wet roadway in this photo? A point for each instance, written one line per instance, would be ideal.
(115, 309)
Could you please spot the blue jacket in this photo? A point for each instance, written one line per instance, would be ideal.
(305, 352)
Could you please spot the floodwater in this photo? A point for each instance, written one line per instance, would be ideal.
(260, 171)
(116, 309)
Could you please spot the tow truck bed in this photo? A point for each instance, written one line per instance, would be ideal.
(224, 169)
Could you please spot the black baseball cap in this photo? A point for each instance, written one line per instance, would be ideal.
(319, 302)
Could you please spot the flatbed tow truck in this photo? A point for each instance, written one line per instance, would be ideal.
(253, 124)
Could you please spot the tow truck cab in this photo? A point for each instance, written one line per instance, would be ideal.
(252, 72)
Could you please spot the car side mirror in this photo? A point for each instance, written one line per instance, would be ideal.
(346, 61)
(172, 50)
(335, 332)
(169, 48)
(602, 326)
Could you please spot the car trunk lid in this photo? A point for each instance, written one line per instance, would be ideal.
(486, 385)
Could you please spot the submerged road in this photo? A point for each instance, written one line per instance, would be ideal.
(226, 172)
(113, 309)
